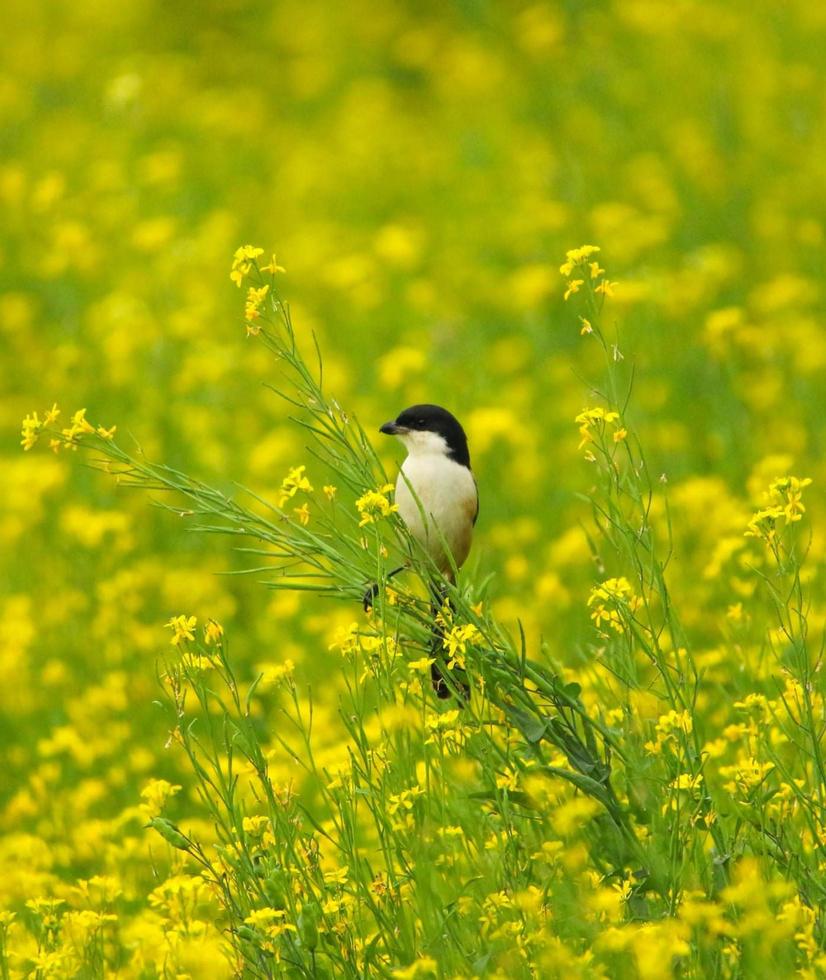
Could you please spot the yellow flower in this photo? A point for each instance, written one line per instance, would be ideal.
(613, 603)
(573, 287)
(763, 524)
(213, 632)
(605, 287)
(456, 642)
(80, 426)
(329, 491)
(667, 728)
(255, 826)
(242, 262)
(425, 966)
(292, 483)
(687, 780)
(252, 308)
(51, 415)
(576, 256)
(508, 780)
(590, 419)
(183, 629)
(337, 876)
(106, 433)
(586, 327)
(273, 267)
(303, 513)
(788, 492)
(595, 269)
(374, 505)
(272, 674)
(30, 431)
(155, 795)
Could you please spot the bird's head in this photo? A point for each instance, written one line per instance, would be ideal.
(426, 429)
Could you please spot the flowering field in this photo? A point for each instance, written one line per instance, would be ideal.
(215, 762)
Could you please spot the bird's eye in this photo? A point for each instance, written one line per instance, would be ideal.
(420, 423)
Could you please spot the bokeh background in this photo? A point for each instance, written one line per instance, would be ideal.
(420, 170)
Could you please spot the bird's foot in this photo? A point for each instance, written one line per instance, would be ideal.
(370, 594)
(373, 589)
(444, 690)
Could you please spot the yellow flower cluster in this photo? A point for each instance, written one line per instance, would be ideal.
(668, 730)
(155, 795)
(252, 308)
(34, 426)
(457, 640)
(579, 261)
(294, 482)
(424, 966)
(576, 257)
(784, 503)
(613, 603)
(593, 423)
(183, 629)
(375, 504)
(243, 262)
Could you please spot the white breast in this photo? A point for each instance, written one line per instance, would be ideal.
(447, 495)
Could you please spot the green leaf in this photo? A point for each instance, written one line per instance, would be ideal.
(532, 728)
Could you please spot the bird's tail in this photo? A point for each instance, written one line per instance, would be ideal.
(440, 604)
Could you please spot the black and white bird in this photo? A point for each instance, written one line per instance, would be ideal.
(436, 493)
(436, 483)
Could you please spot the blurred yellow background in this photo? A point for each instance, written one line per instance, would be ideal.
(420, 170)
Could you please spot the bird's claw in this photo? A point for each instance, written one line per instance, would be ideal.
(369, 595)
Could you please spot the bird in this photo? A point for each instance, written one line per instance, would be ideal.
(436, 495)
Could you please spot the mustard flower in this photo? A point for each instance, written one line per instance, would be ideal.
(183, 629)
(252, 308)
(456, 642)
(292, 483)
(243, 261)
(273, 267)
(79, 427)
(788, 491)
(613, 603)
(374, 505)
(573, 287)
(155, 796)
(213, 632)
(424, 966)
(30, 431)
(590, 420)
(763, 524)
(576, 256)
(783, 502)
(668, 728)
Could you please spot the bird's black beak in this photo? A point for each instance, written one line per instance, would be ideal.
(389, 429)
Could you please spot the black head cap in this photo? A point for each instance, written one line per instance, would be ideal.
(433, 418)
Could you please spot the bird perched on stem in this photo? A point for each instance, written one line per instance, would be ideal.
(436, 495)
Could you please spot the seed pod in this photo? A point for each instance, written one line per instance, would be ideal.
(308, 924)
(250, 935)
(169, 832)
(275, 888)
